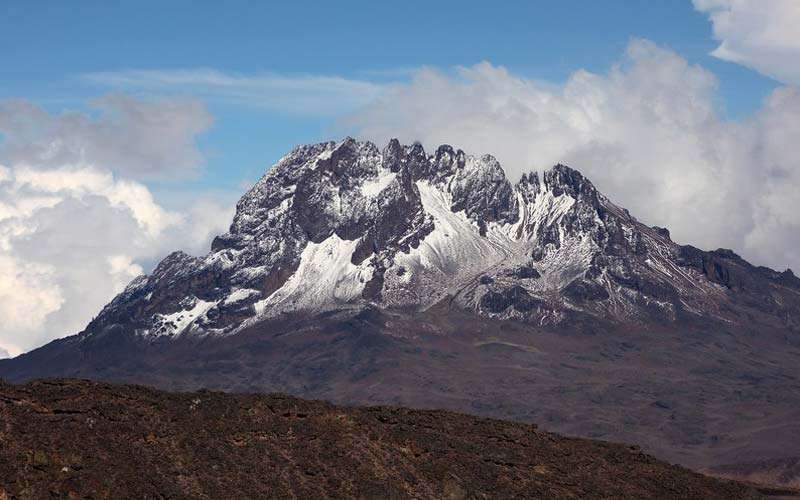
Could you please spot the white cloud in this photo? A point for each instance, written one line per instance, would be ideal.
(62, 260)
(4, 354)
(26, 298)
(648, 134)
(134, 137)
(82, 181)
(72, 235)
(305, 94)
(759, 34)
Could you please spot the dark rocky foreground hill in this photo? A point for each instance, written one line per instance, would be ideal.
(80, 439)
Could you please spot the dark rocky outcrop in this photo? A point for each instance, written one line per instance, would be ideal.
(515, 296)
(582, 290)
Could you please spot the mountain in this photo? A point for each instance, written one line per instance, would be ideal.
(393, 276)
(345, 225)
(134, 442)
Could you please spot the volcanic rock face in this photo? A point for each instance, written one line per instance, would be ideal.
(394, 276)
(345, 224)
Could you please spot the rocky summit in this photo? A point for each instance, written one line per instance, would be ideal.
(345, 224)
(395, 276)
(77, 439)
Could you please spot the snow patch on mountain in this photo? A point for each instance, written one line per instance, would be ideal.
(455, 245)
(548, 209)
(179, 321)
(325, 277)
(240, 295)
(452, 253)
(373, 187)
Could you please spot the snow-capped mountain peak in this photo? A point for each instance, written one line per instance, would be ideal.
(341, 225)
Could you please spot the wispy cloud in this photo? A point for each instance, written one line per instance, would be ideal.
(759, 34)
(155, 138)
(397, 73)
(303, 94)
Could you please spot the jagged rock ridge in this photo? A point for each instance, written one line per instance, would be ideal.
(346, 224)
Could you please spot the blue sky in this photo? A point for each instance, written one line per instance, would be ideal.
(129, 129)
(48, 46)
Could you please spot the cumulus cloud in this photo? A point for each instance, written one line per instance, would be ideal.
(73, 233)
(137, 138)
(759, 34)
(71, 239)
(316, 95)
(648, 133)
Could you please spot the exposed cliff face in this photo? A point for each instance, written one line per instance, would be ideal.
(345, 224)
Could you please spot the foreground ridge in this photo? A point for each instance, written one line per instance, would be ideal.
(78, 438)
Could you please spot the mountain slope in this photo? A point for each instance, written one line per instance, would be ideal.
(784, 471)
(76, 438)
(362, 275)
